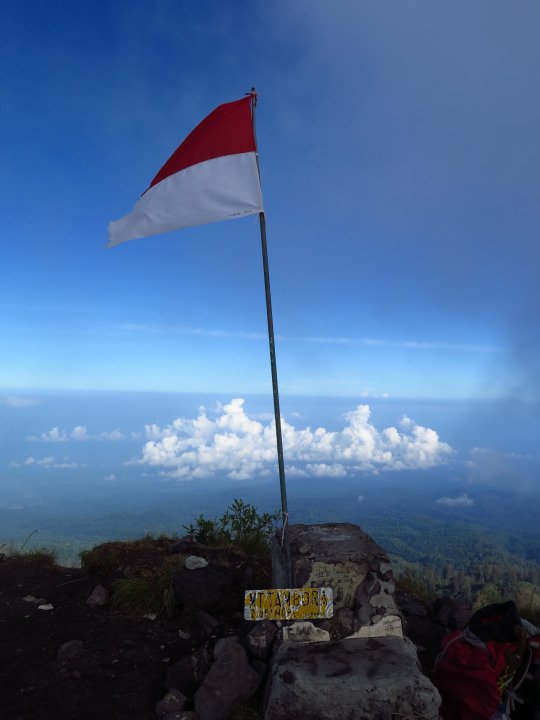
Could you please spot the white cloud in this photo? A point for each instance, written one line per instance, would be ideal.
(241, 447)
(324, 470)
(19, 401)
(79, 433)
(45, 462)
(54, 435)
(48, 462)
(463, 500)
(110, 477)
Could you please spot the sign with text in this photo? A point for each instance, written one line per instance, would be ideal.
(287, 604)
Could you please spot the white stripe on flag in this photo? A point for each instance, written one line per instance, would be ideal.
(223, 188)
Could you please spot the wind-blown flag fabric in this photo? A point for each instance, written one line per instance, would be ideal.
(211, 176)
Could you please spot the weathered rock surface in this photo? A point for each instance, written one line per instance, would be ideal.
(99, 597)
(336, 555)
(261, 639)
(223, 643)
(174, 701)
(343, 557)
(189, 672)
(365, 679)
(304, 632)
(231, 681)
(193, 562)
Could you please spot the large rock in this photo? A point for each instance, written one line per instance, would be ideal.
(364, 679)
(189, 672)
(174, 701)
(343, 557)
(231, 681)
(261, 639)
(99, 597)
(336, 555)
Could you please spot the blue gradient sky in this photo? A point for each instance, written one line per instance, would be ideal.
(400, 162)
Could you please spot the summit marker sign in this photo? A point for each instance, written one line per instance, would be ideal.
(289, 604)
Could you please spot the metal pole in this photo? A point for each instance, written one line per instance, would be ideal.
(275, 391)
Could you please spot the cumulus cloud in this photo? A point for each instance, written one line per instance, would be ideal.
(461, 500)
(79, 432)
(46, 461)
(241, 447)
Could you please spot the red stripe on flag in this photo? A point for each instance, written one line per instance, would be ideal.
(228, 130)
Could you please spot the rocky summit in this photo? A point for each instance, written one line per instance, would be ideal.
(139, 633)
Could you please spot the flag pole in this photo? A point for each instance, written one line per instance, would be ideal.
(275, 391)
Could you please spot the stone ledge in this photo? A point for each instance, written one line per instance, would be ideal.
(357, 679)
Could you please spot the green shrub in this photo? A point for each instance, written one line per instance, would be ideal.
(240, 527)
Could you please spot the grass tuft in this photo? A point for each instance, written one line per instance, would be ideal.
(40, 556)
(148, 591)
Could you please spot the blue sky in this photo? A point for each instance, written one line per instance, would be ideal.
(400, 164)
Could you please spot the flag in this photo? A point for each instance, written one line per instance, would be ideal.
(211, 176)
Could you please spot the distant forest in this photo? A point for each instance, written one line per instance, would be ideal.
(482, 551)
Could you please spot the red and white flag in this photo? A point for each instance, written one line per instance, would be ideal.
(212, 176)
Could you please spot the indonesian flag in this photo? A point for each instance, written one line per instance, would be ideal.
(212, 176)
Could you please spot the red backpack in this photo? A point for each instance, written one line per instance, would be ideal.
(478, 666)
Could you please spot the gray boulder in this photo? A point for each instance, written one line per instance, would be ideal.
(174, 701)
(261, 639)
(231, 681)
(194, 562)
(336, 555)
(99, 597)
(223, 643)
(357, 679)
(189, 672)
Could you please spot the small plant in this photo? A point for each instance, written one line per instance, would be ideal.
(206, 532)
(43, 556)
(147, 591)
(38, 555)
(241, 526)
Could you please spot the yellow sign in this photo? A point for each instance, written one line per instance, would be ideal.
(286, 604)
